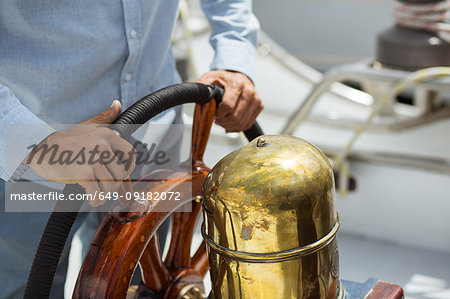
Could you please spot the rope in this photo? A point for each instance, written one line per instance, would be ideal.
(340, 162)
(429, 17)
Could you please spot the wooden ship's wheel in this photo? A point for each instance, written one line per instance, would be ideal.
(125, 241)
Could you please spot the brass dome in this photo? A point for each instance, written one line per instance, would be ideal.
(270, 222)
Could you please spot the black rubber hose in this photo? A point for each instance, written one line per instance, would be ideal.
(60, 222)
(253, 132)
(51, 245)
(149, 106)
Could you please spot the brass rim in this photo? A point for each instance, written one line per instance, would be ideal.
(273, 256)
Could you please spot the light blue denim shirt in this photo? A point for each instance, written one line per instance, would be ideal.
(65, 61)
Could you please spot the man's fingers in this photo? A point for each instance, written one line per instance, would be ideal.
(123, 155)
(105, 179)
(229, 100)
(255, 108)
(242, 113)
(240, 104)
(118, 143)
(108, 116)
(91, 187)
(122, 165)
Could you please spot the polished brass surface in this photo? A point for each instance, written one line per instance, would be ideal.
(270, 222)
(191, 291)
(272, 256)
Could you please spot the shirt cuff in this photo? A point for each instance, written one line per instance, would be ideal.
(20, 171)
(235, 55)
(19, 129)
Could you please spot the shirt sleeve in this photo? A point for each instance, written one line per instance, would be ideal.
(19, 128)
(234, 34)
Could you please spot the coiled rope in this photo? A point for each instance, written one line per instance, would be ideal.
(429, 17)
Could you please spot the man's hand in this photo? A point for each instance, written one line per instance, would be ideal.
(86, 154)
(240, 104)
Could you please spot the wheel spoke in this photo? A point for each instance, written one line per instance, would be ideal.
(200, 260)
(155, 275)
(183, 226)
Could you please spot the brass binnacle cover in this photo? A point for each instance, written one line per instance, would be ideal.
(271, 223)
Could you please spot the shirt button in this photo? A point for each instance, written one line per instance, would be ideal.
(133, 33)
(127, 77)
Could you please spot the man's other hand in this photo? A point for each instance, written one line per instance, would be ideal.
(241, 103)
(93, 145)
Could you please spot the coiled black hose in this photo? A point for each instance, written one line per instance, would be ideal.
(60, 222)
